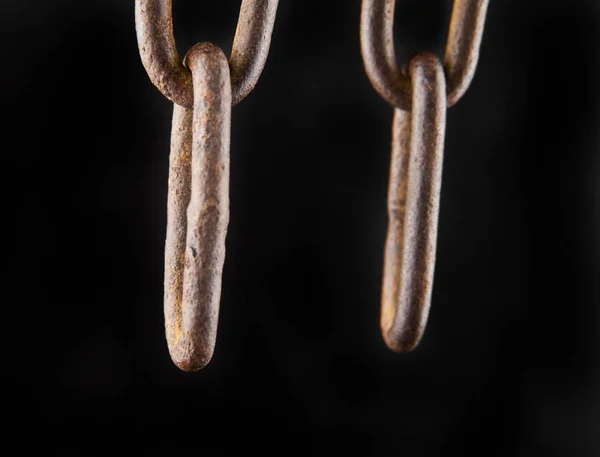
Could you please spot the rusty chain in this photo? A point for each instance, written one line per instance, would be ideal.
(156, 42)
(462, 50)
(203, 88)
(420, 98)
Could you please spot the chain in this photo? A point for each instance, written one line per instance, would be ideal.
(154, 26)
(420, 98)
(203, 88)
(462, 50)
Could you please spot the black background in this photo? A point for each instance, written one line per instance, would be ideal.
(509, 362)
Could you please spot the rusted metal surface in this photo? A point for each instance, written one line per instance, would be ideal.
(156, 41)
(413, 203)
(462, 49)
(251, 45)
(180, 178)
(421, 98)
(203, 88)
(198, 210)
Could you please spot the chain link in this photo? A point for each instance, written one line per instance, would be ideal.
(379, 56)
(420, 98)
(203, 88)
(156, 42)
(413, 202)
(198, 211)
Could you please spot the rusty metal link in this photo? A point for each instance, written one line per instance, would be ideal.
(462, 50)
(156, 41)
(420, 98)
(413, 202)
(203, 88)
(198, 210)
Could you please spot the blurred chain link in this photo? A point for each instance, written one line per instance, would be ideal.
(420, 98)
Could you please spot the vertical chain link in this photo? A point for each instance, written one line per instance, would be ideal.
(413, 203)
(420, 99)
(203, 88)
(194, 259)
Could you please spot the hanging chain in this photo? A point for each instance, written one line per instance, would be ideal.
(203, 88)
(462, 50)
(154, 26)
(420, 99)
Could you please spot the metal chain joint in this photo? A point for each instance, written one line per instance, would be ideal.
(420, 99)
(203, 88)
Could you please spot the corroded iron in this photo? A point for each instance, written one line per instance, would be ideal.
(178, 199)
(420, 99)
(156, 41)
(379, 56)
(198, 211)
(413, 202)
(203, 88)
